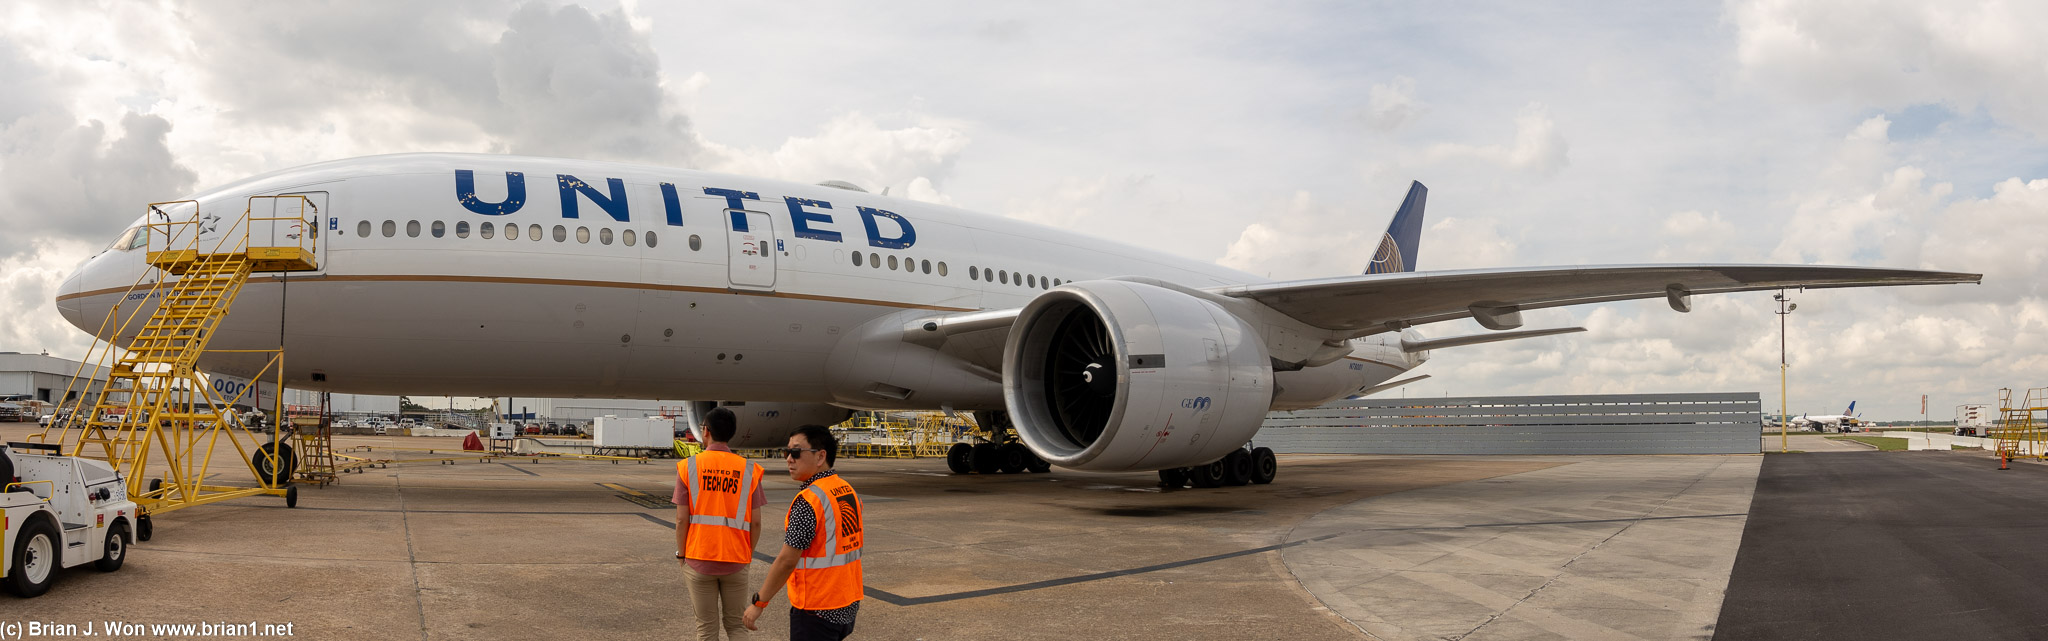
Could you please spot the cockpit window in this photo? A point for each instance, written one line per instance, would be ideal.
(130, 239)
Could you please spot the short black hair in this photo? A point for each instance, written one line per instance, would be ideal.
(821, 438)
(720, 424)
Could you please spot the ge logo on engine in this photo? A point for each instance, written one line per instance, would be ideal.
(1198, 403)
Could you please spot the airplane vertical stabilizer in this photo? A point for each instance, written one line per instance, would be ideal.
(1398, 246)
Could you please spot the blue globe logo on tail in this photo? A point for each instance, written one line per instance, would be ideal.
(1388, 259)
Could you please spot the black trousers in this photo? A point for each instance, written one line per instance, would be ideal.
(805, 626)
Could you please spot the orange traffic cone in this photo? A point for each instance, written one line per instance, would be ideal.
(2002, 458)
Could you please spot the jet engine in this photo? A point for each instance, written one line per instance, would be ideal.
(767, 424)
(1116, 375)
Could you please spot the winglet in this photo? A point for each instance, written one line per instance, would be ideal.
(1398, 246)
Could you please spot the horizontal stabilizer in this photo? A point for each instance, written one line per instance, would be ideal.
(1387, 386)
(1475, 339)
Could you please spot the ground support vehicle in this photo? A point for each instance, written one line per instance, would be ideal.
(60, 512)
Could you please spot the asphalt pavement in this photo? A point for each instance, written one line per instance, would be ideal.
(1892, 545)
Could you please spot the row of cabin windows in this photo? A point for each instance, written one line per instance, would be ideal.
(1005, 277)
(512, 232)
(907, 264)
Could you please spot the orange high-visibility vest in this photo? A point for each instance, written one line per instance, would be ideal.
(721, 486)
(828, 575)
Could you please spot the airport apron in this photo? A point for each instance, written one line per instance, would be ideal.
(720, 485)
(828, 575)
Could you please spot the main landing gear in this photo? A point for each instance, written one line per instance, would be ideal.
(1000, 452)
(1241, 467)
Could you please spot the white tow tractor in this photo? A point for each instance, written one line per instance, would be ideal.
(60, 511)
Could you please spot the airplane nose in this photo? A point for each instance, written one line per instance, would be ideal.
(69, 303)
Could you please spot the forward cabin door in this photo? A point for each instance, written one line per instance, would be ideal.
(750, 251)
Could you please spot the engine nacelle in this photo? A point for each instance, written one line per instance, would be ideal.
(767, 424)
(1117, 375)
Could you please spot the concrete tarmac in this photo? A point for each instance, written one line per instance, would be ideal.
(1341, 547)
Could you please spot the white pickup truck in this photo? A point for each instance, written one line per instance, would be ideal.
(60, 511)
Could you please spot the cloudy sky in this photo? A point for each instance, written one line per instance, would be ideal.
(1275, 138)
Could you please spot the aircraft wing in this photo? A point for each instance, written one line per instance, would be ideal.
(1373, 303)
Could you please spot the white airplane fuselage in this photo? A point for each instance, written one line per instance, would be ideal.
(628, 281)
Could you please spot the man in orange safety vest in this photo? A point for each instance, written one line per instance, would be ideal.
(821, 543)
(718, 501)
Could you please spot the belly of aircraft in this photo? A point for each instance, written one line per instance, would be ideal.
(485, 339)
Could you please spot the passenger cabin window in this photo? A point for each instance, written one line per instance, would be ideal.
(412, 229)
(604, 236)
(440, 229)
(650, 240)
(856, 259)
(390, 229)
(484, 231)
(461, 229)
(892, 262)
(583, 235)
(561, 234)
(511, 231)
(363, 229)
(696, 243)
(628, 236)
(1032, 279)
(1003, 276)
(874, 261)
(927, 266)
(973, 272)
(942, 268)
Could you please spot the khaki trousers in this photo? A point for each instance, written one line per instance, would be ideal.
(718, 600)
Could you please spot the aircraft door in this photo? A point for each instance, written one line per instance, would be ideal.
(751, 253)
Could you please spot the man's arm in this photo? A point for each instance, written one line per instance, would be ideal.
(778, 574)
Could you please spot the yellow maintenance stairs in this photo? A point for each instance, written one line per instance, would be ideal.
(158, 422)
(2023, 428)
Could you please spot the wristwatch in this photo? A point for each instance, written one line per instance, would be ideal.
(756, 598)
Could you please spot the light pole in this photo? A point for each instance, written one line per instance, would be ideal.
(1785, 307)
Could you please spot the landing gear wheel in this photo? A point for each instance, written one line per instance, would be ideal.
(1014, 457)
(35, 560)
(1173, 479)
(286, 464)
(1237, 468)
(1206, 476)
(143, 527)
(1264, 465)
(958, 458)
(116, 550)
(985, 458)
(291, 496)
(155, 484)
(1037, 465)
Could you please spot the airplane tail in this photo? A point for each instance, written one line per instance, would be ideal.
(1398, 246)
(1852, 409)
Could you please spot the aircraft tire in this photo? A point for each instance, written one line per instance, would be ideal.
(958, 458)
(286, 464)
(1037, 465)
(985, 458)
(1237, 468)
(1014, 457)
(1173, 478)
(1206, 476)
(1265, 466)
